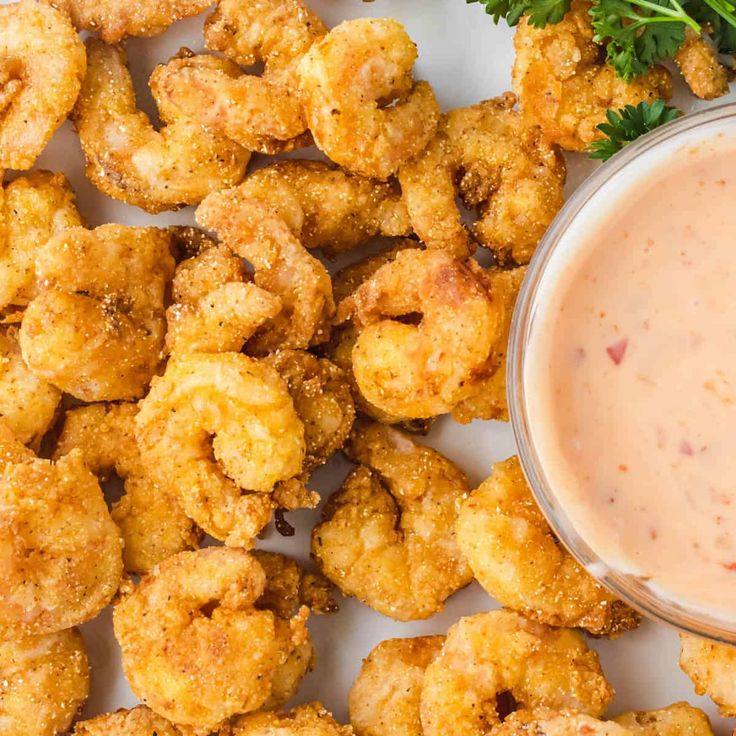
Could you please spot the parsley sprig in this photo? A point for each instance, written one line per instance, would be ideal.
(628, 124)
(539, 12)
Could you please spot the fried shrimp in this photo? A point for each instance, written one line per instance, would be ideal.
(195, 648)
(710, 666)
(262, 113)
(564, 84)
(322, 399)
(698, 62)
(32, 209)
(282, 266)
(385, 698)
(497, 652)
(44, 683)
(42, 64)
(113, 20)
(60, 552)
(27, 403)
(388, 536)
(678, 719)
(551, 723)
(96, 329)
(129, 160)
(515, 556)
(149, 517)
(419, 369)
(363, 106)
(326, 207)
(310, 719)
(500, 166)
(140, 721)
(222, 433)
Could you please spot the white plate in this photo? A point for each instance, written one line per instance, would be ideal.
(467, 59)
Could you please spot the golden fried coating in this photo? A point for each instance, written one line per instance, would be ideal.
(96, 329)
(515, 556)
(499, 651)
(388, 535)
(711, 667)
(140, 721)
(195, 649)
(488, 398)
(221, 432)
(32, 209)
(678, 719)
(698, 62)
(60, 552)
(27, 403)
(564, 84)
(42, 64)
(262, 113)
(310, 719)
(128, 159)
(348, 78)
(385, 698)
(113, 20)
(44, 681)
(545, 722)
(149, 517)
(500, 166)
(322, 399)
(282, 266)
(427, 331)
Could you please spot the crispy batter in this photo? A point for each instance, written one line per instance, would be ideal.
(221, 432)
(384, 699)
(500, 166)
(310, 719)
(349, 78)
(44, 683)
(388, 536)
(515, 556)
(96, 329)
(114, 20)
(128, 159)
(282, 266)
(42, 64)
(678, 719)
(322, 399)
(60, 552)
(150, 518)
(699, 65)
(140, 721)
(711, 666)
(195, 649)
(33, 208)
(499, 651)
(419, 370)
(564, 84)
(546, 722)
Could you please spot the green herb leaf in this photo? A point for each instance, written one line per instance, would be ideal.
(510, 10)
(721, 22)
(540, 12)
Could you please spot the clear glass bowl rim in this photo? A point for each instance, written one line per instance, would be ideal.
(623, 585)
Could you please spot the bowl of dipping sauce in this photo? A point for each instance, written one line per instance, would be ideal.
(622, 374)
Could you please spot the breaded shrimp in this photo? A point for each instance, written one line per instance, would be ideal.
(564, 84)
(195, 648)
(499, 651)
(388, 535)
(139, 721)
(500, 166)
(129, 160)
(221, 432)
(60, 552)
(44, 681)
(385, 698)
(310, 719)
(150, 519)
(711, 667)
(515, 556)
(422, 367)
(698, 62)
(282, 266)
(678, 719)
(96, 329)
(32, 209)
(363, 106)
(42, 64)
(552, 723)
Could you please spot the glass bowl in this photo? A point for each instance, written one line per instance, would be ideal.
(612, 180)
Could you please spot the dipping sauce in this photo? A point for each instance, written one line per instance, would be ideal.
(630, 377)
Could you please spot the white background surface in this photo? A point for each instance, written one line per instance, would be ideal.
(467, 59)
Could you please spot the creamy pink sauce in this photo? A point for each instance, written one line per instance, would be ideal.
(630, 381)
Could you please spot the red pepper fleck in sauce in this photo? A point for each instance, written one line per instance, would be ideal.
(617, 351)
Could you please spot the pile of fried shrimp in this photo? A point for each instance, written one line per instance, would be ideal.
(167, 392)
